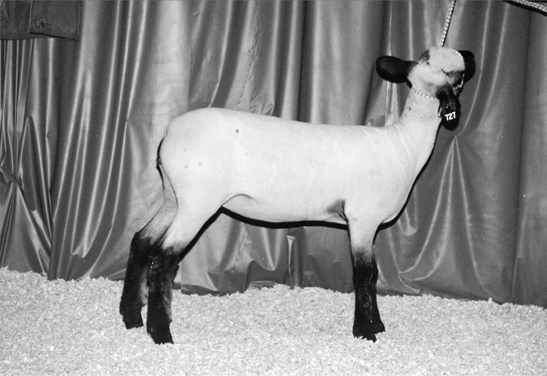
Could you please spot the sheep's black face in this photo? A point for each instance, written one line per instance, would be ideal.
(457, 78)
(439, 72)
(449, 105)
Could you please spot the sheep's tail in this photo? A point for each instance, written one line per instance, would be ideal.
(168, 191)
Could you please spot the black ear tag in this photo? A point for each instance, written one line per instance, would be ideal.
(446, 114)
(448, 107)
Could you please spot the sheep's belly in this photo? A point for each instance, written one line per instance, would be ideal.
(276, 212)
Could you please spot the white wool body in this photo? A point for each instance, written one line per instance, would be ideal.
(278, 170)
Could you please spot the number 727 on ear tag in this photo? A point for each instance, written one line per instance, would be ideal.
(450, 115)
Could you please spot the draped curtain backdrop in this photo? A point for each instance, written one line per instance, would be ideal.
(83, 113)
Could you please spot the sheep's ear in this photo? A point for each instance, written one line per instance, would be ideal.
(449, 107)
(393, 69)
(469, 60)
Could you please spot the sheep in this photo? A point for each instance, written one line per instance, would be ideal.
(276, 170)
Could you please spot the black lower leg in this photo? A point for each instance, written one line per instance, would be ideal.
(163, 266)
(367, 320)
(134, 287)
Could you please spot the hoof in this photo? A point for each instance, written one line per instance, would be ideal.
(134, 322)
(160, 334)
(131, 317)
(368, 336)
(367, 332)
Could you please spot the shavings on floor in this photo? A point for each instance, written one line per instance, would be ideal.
(74, 328)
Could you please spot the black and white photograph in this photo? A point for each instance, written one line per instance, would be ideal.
(273, 187)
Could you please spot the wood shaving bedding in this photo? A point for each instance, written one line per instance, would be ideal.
(74, 328)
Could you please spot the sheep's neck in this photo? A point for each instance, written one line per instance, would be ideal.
(418, 127)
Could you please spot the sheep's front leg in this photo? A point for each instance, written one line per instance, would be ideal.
(367, 322)
(134, 288)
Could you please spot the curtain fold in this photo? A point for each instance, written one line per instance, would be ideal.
(24, 219)
(530, 254)
(81, 122)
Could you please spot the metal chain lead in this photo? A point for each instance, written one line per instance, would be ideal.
(531, 4)
(447, 22)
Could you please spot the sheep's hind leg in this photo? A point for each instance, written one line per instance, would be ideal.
(367, 322)
(164, 259)
(134, 287)
(135, 290)
(163, 267)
